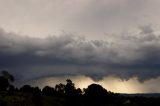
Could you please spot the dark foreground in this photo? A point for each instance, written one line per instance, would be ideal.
(68, 95)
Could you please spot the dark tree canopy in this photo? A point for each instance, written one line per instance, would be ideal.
(5, 80)
(26, 88)
(48, 91)
(95, 90)
(70, 89)
(60, 89)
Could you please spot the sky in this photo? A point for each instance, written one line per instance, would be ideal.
(115, 43)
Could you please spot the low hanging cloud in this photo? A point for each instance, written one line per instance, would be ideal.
(124, 55)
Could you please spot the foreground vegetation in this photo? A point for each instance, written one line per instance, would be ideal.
(65, 95)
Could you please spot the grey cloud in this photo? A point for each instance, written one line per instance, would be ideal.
(122, 56)
(146, 29)
(89, 17)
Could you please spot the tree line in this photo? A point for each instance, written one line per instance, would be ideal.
(64, 95)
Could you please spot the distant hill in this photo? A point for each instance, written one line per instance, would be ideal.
(155, 95)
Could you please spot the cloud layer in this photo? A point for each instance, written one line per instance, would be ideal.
(124, 55)
(89, 17)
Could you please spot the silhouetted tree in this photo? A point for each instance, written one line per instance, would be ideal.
(96, 95)
(72, 94)
(95, 90)
(60, 89)
(48, 91)
(26, 88)
(8, 76)
(11, 88)
(70, 89)
(36, 97)
(5, 80)
(79, 91)
(3, 83)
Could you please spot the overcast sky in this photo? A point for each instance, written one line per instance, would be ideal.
(94, 40)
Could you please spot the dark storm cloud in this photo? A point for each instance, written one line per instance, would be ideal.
(123, 56)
